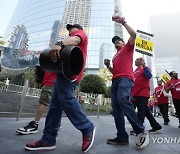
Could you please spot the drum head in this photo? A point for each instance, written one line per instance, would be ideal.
(73, 63)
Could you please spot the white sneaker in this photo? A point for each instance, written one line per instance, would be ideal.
(142, 140)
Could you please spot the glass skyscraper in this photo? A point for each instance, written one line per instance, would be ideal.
(44, 22)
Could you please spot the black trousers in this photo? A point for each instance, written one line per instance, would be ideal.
(164, 111)
(143, 111)
(176, 103)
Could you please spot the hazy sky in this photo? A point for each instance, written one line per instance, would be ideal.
(6, 10)
(137, 12)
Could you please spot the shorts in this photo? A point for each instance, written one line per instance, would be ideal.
(45, 97)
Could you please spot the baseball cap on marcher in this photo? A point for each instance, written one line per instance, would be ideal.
(115, 38)
(69, 26)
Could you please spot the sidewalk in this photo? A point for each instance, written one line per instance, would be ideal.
(69, 139)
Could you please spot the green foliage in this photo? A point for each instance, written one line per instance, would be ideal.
(105, 74)
(29, 75)
(107, 93)
(92, 83)
(2, 42)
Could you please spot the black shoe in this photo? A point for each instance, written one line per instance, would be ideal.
(116, 141)
(132, 132)
(155, 130)
(166, 122)
(31, 128)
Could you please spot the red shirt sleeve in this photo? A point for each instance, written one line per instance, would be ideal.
(80, 34)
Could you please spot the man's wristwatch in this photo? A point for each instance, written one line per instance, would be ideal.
(61, 44)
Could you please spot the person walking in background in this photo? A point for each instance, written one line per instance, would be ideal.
(141, 93)
(6, 85)
(44, 101)
(122, 83)
(156, 111)
(63, 98)
(173, 85)
(151, 104)
(162, 101)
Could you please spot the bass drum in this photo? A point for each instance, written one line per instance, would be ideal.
(70, 63)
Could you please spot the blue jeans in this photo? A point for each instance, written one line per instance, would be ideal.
(63, 99)
(120, 95)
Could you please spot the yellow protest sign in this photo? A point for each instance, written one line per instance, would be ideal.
(165, 78)
(144, 43)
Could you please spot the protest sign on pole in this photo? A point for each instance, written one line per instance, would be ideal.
(144, 43)
(165, 77)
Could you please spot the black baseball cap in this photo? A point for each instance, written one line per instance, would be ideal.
(69, 26)
(115, 38)
(172, 72)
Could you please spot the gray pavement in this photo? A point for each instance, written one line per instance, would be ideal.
(69, 139)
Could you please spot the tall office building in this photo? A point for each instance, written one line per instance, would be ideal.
(76, 11)
(166, 40)
(106, 50)
(18, 38)
(45, 22)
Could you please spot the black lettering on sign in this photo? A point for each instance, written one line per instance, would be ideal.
(143, 52)
(144, 42)
(144, 46)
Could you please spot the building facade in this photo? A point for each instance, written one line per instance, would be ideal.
(18, 38)
(45, 22)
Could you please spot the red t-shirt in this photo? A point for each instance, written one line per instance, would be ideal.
(155, 102)
(83, 45)
(48, 79)
(122, 62)
(175, 91)
(161, 99)
(141, 83)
